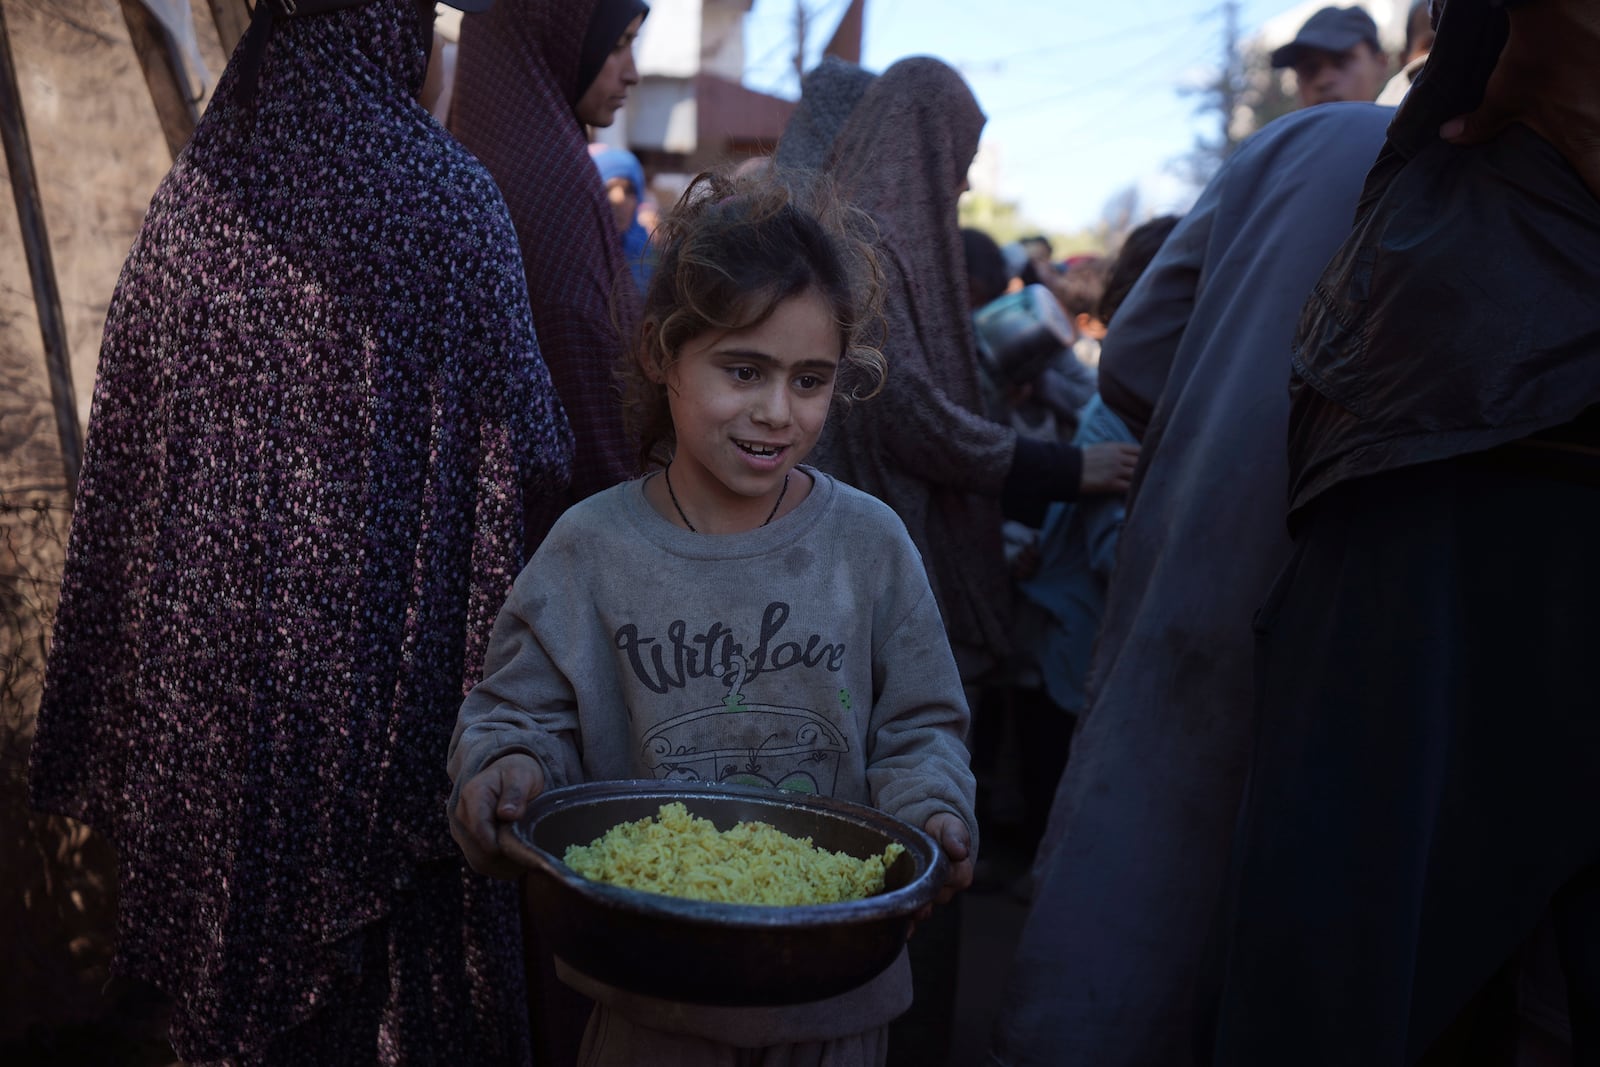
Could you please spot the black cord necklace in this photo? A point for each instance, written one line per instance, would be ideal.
(776, 504)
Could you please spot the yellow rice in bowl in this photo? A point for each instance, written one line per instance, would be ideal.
(683, 855)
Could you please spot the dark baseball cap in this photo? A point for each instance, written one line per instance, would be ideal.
(1333, 29)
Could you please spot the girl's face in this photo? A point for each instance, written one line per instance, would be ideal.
(746, 407)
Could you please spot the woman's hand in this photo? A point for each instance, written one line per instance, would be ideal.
(1108, 468)
(497, 794)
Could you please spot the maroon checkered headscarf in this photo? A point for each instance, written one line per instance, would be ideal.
(516, 85)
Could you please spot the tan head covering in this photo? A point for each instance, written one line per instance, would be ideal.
(923, 446)
(828, 93)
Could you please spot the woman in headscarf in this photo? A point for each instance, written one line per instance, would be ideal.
(319, 415)
(1423, 788)
(828, 93)
(1132, 865)
(531, 74)
(923, 446)
(623, 180)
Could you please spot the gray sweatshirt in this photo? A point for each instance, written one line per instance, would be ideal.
(807, 654)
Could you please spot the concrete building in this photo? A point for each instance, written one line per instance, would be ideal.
(691, 110)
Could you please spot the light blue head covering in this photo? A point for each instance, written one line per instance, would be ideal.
(614, 162)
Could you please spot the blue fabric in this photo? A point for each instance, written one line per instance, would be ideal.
(1197, 366)
(620, 163)
(1077, 548)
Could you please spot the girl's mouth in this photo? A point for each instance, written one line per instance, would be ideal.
(760, 451)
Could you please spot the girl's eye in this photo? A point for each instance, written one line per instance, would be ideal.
(811, 382)
(743, 374)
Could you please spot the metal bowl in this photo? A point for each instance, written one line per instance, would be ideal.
(707, 953)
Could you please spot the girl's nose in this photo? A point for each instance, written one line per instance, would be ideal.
(772, 409)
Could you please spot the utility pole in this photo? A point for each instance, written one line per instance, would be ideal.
(1228, 87)
(801, 18)
(1227, 92)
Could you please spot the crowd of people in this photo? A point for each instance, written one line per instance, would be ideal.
(427, 472)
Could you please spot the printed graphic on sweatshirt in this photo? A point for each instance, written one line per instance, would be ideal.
(739, 741)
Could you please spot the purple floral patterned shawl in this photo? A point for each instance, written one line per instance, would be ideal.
(319, 415)
(516, 85)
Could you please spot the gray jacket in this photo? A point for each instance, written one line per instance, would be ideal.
(807, 654)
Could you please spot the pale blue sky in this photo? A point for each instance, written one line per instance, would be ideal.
(1083, 96)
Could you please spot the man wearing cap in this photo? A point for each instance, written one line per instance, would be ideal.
(1335, 56)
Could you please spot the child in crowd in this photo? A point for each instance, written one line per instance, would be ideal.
(732, 603)
(1079, 290)
(1077, 551)
(1078, 545)
(625, 192)
(1138, 249)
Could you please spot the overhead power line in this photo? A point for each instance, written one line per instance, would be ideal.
(997, 64)
(1157, 62)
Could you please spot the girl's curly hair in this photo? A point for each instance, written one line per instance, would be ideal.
(734, 247)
